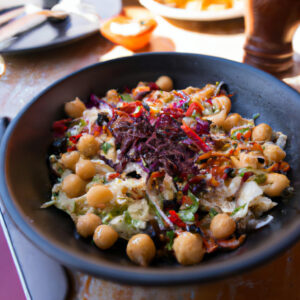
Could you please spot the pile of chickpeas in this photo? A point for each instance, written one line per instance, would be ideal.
(188, 247)
(140, 248)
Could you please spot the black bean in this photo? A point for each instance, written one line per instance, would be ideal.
(134, 174)
(261, 160)
(58, 146)
(101, 119)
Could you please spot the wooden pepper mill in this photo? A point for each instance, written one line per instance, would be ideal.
(270, 26)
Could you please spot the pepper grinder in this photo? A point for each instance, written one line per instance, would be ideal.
(270, 26)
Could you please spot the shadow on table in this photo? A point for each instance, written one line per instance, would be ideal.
(233, 26)
(160, 44)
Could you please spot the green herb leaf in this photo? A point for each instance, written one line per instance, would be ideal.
(105, 147)
(212, 213)
(170, 235)
(127, 98)
(238, 209)
(255, 116)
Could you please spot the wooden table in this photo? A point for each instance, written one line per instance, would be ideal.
(27, 75)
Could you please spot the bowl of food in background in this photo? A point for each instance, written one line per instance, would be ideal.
(196, 10)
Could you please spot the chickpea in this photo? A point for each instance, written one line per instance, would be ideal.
(233, 120)
(69, 159)
(248, 160)
(141, 249)
(113, 96)
(98, 196)
(275, 184)
(262, 132)
(188, 248)
(85, 169)
(273, 153)
(87, 224)
(222, 226)
(88, 145)
(165, 83)
(73, 186)
(105, 236)
(75, 108)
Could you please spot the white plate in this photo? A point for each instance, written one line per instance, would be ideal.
(185, 14)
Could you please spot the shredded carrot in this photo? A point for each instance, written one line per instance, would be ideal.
(284, 166)
(247, 135)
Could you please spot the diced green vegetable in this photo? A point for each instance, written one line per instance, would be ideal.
(242, 171)
(212, 213)
(188, 213)
(238, 209)
(127, 98)
(105, 147)
(235, 132)
(260, 178)
(170, 235)
(82, 123)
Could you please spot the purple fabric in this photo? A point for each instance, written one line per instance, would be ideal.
(10, 285)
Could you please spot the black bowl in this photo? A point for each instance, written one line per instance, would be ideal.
(25, 183)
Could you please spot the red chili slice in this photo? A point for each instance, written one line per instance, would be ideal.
(194, 107)
(135, 109)
(246, 176)
(174, 218)
(74, 138)
(113, 176)
(60, 127)
(197, 139)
